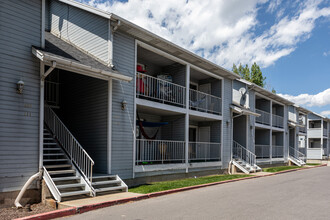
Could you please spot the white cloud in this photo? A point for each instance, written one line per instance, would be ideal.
(326, 53)
(220, 30)
(320, 99)
(326, 113)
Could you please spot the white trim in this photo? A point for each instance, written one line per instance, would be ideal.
(134, 108)
(161, 106)
(205, 115)
(109, 138)
(151, 168)
(171, 57)
(87, 8)
(41, 116)
(110, 44)
(187, 116)
(222, 122)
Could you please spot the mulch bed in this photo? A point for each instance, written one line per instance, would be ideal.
(12, 213)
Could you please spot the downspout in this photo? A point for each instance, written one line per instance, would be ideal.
(26, 185)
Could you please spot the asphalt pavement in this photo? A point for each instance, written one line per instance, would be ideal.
(300, 195)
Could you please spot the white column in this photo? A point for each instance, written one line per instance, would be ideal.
(109, 124)
(271, 132)
(41, 115)
(187, 117)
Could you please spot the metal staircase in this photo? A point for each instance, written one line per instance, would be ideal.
(68, 169)
(296, 157)
(244, 159)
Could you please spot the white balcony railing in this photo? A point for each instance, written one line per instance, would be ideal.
(159, 152)
(264, 117)
(160, 90)
(277, 121)
(277, 151)
(204, 102)
(204, 151)
(262, 151)
(296, 154)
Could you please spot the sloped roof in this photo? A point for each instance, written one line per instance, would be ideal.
(72, 59)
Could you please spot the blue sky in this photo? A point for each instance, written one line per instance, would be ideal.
(290, 40)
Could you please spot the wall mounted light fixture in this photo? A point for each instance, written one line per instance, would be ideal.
(20, 87)
(123, 105)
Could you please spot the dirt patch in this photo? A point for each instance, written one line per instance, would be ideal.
(12, 213)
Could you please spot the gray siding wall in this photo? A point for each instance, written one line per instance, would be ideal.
(20, 22)
(251, 127)
(122, 134)
(85, 30)
(178, 73)
(227, 131)
(175, 130)
(84, 108)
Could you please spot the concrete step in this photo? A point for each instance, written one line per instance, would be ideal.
(110, 189)
(66, 178)
(57, 166)
(106, 182)
(74, 193)
(66, 186)
(57, 172)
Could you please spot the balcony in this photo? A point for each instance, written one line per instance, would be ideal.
(277, 121)
(204, 152)
(264, 117)
(204, 102)
(159, 90)
(277, 151)
(262, 151)
(150, 152)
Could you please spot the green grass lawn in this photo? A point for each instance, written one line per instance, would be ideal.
(313, 164)
(281, 168)
(167, 185)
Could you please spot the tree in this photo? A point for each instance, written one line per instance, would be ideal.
(273, 91)
(254, 75)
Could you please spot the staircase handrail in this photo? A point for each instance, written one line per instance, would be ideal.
(297, 154)
(244, 154)
(70, 144)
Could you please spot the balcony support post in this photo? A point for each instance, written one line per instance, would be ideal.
(187, 117)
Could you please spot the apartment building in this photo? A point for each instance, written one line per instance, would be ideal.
(92, 103)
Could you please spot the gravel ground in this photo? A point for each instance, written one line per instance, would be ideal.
(12, 213)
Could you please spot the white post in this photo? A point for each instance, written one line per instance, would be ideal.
(271, 133)
(41, 116)
(109, 123)
(187, 116)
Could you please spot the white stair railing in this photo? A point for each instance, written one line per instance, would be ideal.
(296, 154)
(76, 152)
(244, 154)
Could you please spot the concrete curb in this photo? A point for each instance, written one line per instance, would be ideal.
(87, 208)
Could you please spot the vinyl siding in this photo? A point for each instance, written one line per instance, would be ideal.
(20, 23)
(84, 110)
(85, 30)
(251, 132)
(122, 121)
(227, 136)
